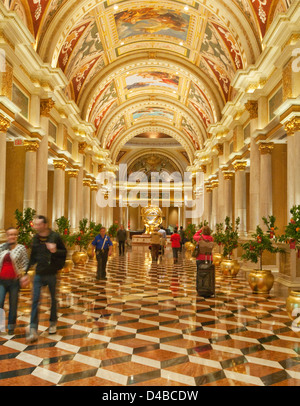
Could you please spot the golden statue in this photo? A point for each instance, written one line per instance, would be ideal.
(152, 217)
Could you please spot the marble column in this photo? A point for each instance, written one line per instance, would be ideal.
(87, 199)
(4, 125)
(254, 198)
(42, 158)
(94, 207)
(293, 168)
(240, 195)
(58, 190)
(207, 203)
(72, 204)
(265, 198)
(221, 202)
(214, 212)
(31, 148)
(228, 176)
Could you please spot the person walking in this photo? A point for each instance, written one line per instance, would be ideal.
(48, 254)
(163, 233)
(175, 240)
(204, 234)
(182, 237)
(13, 260)
(155, 244)
(103, 246)
(121, 237)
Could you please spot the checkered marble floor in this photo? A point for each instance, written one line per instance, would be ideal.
(146, 326)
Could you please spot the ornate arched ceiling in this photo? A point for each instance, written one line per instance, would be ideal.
(162, 65)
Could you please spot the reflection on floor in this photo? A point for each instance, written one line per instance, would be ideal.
(146, 326)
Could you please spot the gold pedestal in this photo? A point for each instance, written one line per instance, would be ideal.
(68, 266)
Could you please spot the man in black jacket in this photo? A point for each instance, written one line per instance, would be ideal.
(49, 254)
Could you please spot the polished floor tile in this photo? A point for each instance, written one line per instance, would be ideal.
(146, 326)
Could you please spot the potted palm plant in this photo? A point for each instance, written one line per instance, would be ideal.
(24, 225)
(229, 240)
(64, 230)
(261, 280)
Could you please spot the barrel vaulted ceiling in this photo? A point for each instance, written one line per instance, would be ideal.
(138, 67)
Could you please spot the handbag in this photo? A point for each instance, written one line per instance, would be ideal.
(196, 251)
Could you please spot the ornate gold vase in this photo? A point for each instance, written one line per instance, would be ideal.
(217, 259)
(91, 252)
(293, 303)
(230, 267)
(79, 258)
(261, 281)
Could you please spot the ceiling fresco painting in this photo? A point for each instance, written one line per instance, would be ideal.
(117, 55)
(149, 20)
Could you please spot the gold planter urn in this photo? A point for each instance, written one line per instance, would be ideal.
(293, 304)
(230, 267)
(79, 258)
(217, 259)
(261, 281)
(68, 266)
(91, 252)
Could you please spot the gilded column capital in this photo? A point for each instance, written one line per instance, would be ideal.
(59, 164)
(87, 182)
(208, 187)
(46, 107)
(94, 187)
(203, 168)
(4, 124)
(215, 184)
(101, 168)
(31, 145)
(292, 126)
(240, 166)
(82, 146)
(228, 175)
(73, 173)
(266, 148)
(252, 107)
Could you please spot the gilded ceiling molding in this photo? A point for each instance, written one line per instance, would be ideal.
(171, 131)
(134, 105)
